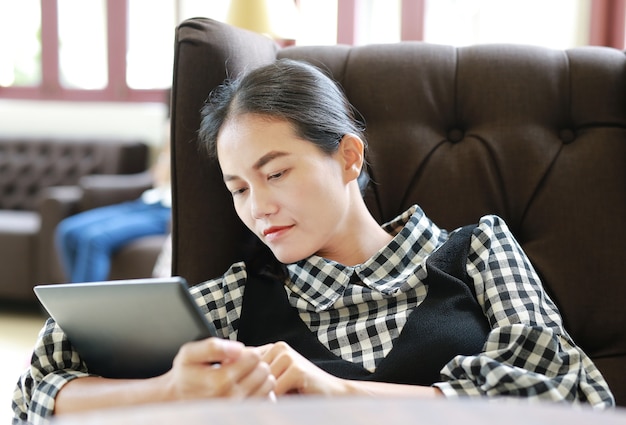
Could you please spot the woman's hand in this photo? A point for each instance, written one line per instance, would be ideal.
(296, 374)
(218, 368)
(202, 369)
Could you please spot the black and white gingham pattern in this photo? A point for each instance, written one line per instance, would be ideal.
(528, 352)
(506, 283)
(221, 299)
(53, 364)
(358, 311)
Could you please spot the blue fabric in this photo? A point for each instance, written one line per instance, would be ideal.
(87, 241)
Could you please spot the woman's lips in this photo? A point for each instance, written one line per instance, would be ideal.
(274, 232)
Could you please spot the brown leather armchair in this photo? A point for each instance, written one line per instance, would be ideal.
(537, 136)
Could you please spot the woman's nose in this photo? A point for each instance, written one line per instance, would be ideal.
(261, 204)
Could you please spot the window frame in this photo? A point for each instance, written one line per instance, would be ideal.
(607, 24)
(117, 89)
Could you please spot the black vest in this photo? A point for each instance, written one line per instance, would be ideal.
(447, 323)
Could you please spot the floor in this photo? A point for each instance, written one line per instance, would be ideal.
(19, 326)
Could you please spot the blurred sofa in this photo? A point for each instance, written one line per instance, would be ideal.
(534, 135)
(32, 171)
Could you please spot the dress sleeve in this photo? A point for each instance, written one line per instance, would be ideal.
(528, 353)
(221, 300)
(54, 363)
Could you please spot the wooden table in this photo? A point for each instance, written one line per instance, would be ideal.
(350, 411)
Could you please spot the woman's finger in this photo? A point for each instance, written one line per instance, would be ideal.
(210, 350)
(258, 383)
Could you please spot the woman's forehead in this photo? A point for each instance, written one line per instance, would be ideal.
(255, 135)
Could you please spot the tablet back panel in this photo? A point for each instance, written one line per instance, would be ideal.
(126, 328)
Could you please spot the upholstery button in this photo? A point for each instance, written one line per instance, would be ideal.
(455, 135)
(567, 136)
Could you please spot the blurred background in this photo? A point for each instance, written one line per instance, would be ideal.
(102, 66)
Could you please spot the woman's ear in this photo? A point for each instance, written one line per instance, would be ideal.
(352, 151)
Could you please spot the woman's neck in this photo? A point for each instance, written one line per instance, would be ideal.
(361, 239)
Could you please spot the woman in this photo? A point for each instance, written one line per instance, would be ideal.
(340, 305)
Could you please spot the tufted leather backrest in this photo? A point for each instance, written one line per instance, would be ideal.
(28, 165)
(535, 135)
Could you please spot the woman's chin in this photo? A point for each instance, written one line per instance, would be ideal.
(287, 256)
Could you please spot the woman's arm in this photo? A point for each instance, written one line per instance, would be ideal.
(58, 382)
(194, 375)
(384, 389)
(528, 353)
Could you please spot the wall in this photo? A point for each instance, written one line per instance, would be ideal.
(79, 119)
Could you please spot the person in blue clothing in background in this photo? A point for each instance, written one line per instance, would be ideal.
(87, 241)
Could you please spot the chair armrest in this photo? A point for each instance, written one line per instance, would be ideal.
(100, 189)
(55, 203)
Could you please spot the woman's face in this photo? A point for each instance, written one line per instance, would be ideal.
(292, 195)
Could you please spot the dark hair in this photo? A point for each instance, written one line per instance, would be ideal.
(287, 89)
(294, 91)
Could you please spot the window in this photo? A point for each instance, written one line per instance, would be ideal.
(95, 50)
(122, 50)
(150, 47)
(318, 22)
(555, 23)
(378, 21)
(82, 44)
(21, 62)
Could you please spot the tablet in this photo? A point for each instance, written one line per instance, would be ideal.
(126, 328)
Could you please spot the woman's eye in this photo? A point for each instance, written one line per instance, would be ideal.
(238, 191)
(278, 175)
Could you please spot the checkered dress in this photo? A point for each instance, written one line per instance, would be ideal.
(358, 312)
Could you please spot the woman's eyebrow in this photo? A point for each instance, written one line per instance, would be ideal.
(264, 160)
(268, 157)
